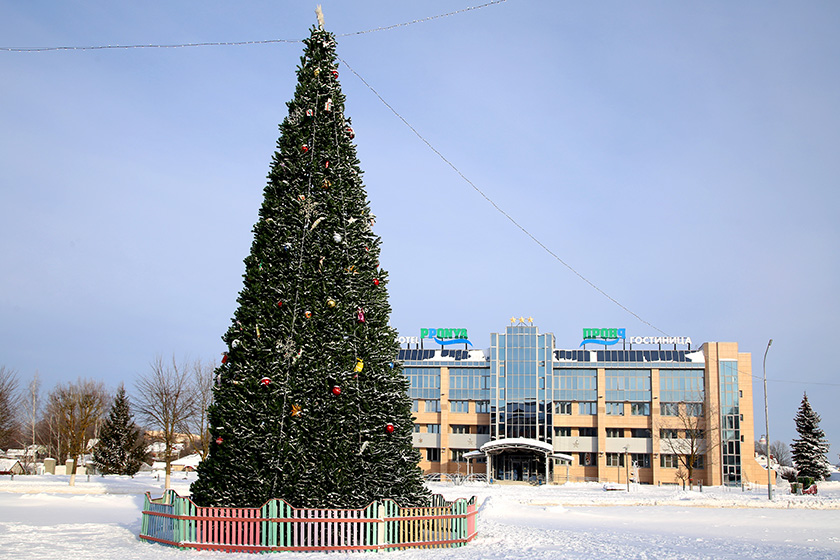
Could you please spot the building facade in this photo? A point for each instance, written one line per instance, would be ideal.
(526, 410)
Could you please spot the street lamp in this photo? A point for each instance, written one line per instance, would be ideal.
(767, 423)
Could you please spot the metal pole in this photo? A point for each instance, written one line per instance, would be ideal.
(767, 424)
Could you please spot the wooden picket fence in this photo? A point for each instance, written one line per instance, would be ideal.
(276, 526)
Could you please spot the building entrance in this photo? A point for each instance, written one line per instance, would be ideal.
(519, 466)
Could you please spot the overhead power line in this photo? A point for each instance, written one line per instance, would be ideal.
(242, 43)
(496, 206)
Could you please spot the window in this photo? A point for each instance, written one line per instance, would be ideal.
(588, 408)
(562, 407)
(415, 406)
(695, 434)
(699, 463)
(587, 459)
(615, 408)
(459, 406)
(588, 432)
(669, 409)
(615, 459)
(482, 407)
(667, 433)
(562, 432)
(457, 455)
(433, 406)
(459, 429)
(615, 432)
(640, 409)
(416, 428)
(641, 460)
(433, 428)
(694, 409)
(482, 429)
(639, 432)
(433, 454)
(669, 461)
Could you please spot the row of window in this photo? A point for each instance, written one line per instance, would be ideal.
(640, 460)
(458, 407)
(665, 433)
(455, 455)
(453, 429)
(636, 408)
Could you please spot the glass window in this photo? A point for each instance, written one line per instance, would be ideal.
(416, 428)
(640, 409)
(433, 406)
(639, 432)
(562, 407)
(482, 407)
(615, 432)
(457, 455)
(588, 432)
(615, 408)
(433, 454)
(694, 409)
(669, 461)
(433, 428)
(640, 460)
(615, 459)
(669, 409)
(459, 406)
(667, 433)
(562, 431)
(587, 459)
(482, 429)
(459, 429)
(588, 408)
(415, 405)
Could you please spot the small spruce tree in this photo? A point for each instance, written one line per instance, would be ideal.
(121, 448)
(310, 405)
(810, 450)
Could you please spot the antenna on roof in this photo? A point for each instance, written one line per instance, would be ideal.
(320, 14)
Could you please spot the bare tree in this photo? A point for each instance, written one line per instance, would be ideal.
(687, 434)
(76, 408)
(9, 407)
(166, 403)
(197, 425)
(30, 409)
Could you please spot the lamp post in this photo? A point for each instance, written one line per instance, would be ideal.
(767, 423)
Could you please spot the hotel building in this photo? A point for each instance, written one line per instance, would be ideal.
(614, 408)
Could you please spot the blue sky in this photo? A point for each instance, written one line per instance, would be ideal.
(680, 156)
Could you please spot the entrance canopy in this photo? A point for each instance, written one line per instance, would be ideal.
(516, 444)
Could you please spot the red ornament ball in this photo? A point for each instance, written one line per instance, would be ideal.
(376, 281)
(389, 428)
(336, 390)
(305, 148)
(219, 440)
(279, 304)
(265, 381)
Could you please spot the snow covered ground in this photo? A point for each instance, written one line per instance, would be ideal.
(42, 517)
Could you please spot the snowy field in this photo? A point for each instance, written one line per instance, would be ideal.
(42, 517)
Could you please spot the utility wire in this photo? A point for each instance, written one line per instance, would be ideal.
(496, 206)
(241, 43)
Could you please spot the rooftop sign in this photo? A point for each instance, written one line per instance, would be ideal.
(445, 337)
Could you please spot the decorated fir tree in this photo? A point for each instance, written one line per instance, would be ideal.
(310, 405)
(121, 448)
(810, 450)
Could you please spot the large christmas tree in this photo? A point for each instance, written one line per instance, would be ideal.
(810, 449)
(310, 405)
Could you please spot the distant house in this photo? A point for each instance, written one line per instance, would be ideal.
(188, 463)
(11, 466)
